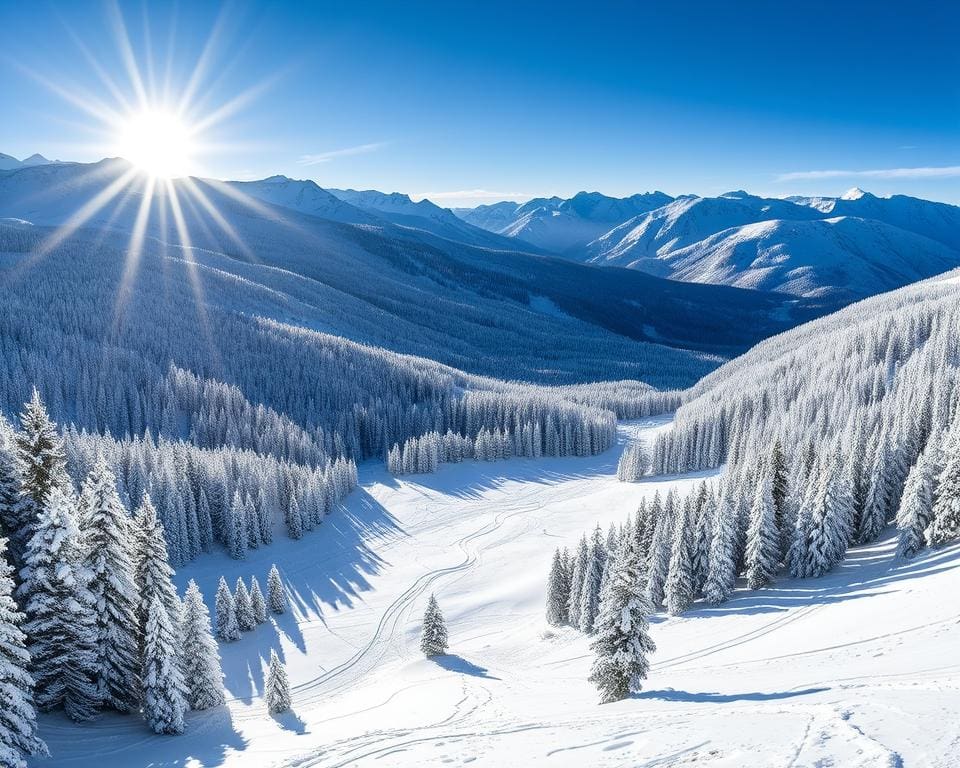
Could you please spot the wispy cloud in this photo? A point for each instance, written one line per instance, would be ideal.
(475, 194)
(326, 157)
(935, 172)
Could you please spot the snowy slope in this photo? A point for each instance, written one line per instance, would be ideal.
(305, 197)
(9, 163)
(857, 669)
(844, 258)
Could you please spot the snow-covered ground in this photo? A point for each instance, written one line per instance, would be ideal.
(859, 668)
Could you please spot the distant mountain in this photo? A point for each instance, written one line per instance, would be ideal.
(559, 225)
(305, 197)
(844, 248)
(9, 163)
(504, 313)
(399, 209)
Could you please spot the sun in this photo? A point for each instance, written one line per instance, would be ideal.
(157, 142)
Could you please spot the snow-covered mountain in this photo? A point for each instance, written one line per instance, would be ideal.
(8, 162)
(305, 197)
(505, 313)
(399, 209)
(562, 226)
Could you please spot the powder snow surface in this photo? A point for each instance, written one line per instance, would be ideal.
(855, 669)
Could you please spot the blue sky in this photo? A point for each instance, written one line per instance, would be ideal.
(470, 102)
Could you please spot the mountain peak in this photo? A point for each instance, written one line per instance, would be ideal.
(36, 159)
(855, 193)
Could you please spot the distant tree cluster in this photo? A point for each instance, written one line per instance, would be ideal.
(245, 609)
(866, 405)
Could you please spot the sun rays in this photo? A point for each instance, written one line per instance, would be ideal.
(161, 131)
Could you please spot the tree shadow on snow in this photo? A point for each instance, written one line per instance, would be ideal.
(290, 721)
(709, 697)
(454, 663)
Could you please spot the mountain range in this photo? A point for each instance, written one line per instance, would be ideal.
(838, 248)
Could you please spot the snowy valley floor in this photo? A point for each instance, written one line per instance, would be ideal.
(859, 668)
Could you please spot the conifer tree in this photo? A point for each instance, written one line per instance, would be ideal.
(658, 559)
(107, 539)
(678, 591)
(623, 643)
(433, 637)
(946, 507)
(916, 508)
(228, 629)
(201, 660)
(576, 581)
(18, 718)
(276, 594)
(164, 691)
(60, 626)
(242, 606)
(276, 688)
(557, 592)
(154, 576)
(722, 573)
(41, 466)
(257, 604)
(878, 501)
(702, 538)
(763, 540)
(11, 503)
(592, 582)
(238, 538)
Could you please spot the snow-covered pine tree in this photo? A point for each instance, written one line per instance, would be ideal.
(18, 718)
(201, 661)
(623, 643)
(592, 581)
(779, 487)
(237, 534)
(722, 573)
(945, 526)
(60, 627)
(576, 581)
(11, 504)
(763, 539)
(678, 590)
(276, 594)
(164, 691)
(244, 610)
(257, 604)
(107, 547)
(558, 593)
(658, 559)
(878, 501)
(154, 576)
(41, 466)
(702, 537)
(916, 508)
(276, 689)
(294, 520)
(228, 629)
(433, 637)
(797, 556)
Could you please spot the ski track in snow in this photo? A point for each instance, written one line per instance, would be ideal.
(855, 669)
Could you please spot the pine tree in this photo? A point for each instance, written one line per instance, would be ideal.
(164, 691)
(242, 606)
(878, 501)
(277, 688)
(276, 594)
(257, 604)
(722, 574)
(558, 593)
(433, 637)
(201, 660)
(702, 538)
(658, 559)
(12, 514)
(228, 629)
(18, 718)
(678, 591)
(107, 535)
(60, 626)
(237, 534)
(622, 644)
(41, 466)
(946, 507)
(916, 508)
(576, 581)
(154, 576)
(763, 540)
(592, 581)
